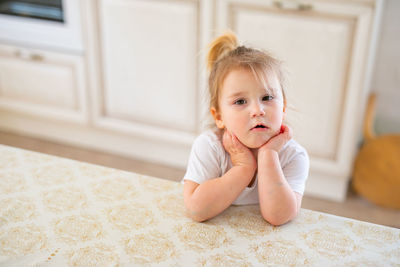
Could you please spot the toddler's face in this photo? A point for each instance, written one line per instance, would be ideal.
(248, 109)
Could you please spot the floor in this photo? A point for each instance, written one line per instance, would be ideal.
(354, 206)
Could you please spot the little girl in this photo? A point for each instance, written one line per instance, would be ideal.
(249, 157)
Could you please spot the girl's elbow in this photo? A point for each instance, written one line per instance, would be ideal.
(279, 218)
(273, 220)
(195, 216)
(194, 212)
(276, 221)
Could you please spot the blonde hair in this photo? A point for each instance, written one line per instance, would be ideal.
(225, 55)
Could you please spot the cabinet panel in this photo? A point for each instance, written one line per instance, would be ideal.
(37, 82)
(326, 47)
(42, 83)
(321, 49)
(149, 62)
(316, 50)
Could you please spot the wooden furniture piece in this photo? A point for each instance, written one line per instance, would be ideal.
(59, 212)
(376, 174)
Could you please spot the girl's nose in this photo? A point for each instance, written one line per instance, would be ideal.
(257, 110)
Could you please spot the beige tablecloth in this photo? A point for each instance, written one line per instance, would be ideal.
(59, 212)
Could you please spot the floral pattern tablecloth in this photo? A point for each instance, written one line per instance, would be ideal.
(60, 212)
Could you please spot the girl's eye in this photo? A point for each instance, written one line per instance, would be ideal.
(240, 102)
(267, 98)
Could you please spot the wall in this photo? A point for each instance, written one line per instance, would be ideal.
(386, 75)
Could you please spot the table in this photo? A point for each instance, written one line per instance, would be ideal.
(60, 212)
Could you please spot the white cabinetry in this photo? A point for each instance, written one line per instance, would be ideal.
(326, 47)
(44, 84)
(142, 69)
(149, 66)
(145, 73)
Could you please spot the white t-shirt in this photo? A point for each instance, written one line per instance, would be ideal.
(208, 159)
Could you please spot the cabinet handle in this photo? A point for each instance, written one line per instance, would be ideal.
(292, 5)
(36, 57)
(25, 55)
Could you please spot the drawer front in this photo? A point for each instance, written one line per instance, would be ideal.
(42, 83)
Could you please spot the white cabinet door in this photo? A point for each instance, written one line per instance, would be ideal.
(145, 74)
(325, 46)
(150, 66)
(43, 84)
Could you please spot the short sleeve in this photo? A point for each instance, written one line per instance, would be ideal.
(204, 162)
(296, 170)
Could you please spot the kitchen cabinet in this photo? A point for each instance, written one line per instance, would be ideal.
(137, 89)
(149, 68)
(326, 46)
(41, 83)
(146, 72)
(142, 79)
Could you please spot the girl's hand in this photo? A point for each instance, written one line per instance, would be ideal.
(240, 154)
(278, 141)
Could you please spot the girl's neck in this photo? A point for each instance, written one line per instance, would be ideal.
(255, 152)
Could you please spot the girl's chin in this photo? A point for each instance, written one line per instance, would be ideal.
(255, 144)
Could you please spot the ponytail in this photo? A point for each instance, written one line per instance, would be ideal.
(220, 47)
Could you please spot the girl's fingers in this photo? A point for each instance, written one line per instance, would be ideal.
(227, 140)
(230, 137)
(282, 129)
(286, 130)
(234, 139)
(236, 143)
(231, 142)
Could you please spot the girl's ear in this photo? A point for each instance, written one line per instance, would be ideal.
(217, 118)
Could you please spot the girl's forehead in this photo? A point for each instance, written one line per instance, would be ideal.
(242, 80)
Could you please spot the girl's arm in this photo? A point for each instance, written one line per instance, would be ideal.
(206, 200)
(278, 203)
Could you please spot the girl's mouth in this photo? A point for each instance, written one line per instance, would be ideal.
(259, 127)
